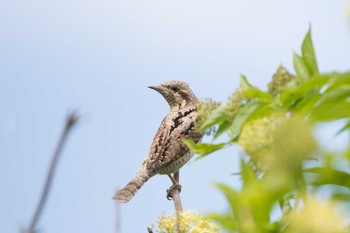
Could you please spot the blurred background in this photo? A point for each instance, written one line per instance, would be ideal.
(98, 57)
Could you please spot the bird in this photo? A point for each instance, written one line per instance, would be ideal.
(168, 153)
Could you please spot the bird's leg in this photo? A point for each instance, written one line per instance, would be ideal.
(176, 186)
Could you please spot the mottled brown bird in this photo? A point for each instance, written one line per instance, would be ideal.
(168, 153)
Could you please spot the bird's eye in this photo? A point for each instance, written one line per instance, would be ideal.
(175, 88)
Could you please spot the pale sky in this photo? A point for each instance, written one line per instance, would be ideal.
(99, 57)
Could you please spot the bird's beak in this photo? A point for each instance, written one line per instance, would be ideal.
(159, 89)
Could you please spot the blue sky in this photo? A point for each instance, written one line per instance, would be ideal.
(99, 57)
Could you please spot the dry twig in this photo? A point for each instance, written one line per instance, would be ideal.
(70, 122)
(176, 194)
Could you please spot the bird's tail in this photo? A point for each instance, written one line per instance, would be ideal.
(126, 193)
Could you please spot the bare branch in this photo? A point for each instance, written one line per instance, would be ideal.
(176, 194)
(72, 119)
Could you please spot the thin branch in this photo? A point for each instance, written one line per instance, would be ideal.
(176, 194)
(70, 122)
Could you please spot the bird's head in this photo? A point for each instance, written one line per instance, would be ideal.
(177, 93)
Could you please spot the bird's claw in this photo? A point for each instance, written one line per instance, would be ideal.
(170, 191)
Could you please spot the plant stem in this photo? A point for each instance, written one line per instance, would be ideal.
(177, 203)
(70, 122)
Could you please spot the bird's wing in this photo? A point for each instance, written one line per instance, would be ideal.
(160, 141)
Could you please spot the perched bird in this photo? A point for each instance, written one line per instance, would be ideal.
(168, 153)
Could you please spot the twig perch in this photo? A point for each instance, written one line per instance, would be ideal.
(70, 122)
(173, 193)
(177, 202)
(176, 194)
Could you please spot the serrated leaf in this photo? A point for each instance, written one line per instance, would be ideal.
(264, 110)
(337, 94)
(225, 220)
(301, 68)
(336, 80)
(345, 127)
(331, 112)
(255, 93)
(223, 127)
(247, 173)
(327, 175)
(230, 194)
(214, 118)
(305, 105)
(333, 105)
(244, 84)
(341, 197)
(251, 92)
(291, 95)
(243, 116)
(202, 148)
(309, 56)
(347, 154)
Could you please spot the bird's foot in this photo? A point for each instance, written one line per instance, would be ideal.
(172, 189)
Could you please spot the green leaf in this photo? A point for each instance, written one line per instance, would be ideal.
(231, 195)
(345, 127)
(251, 92)
(244, 84)
(308, 52)
(219, 115)
(203, 148)
(326, 175)
(223, 127)
(255, 93)
(225, 220)
(292, 95)
(306, 65)
(333, 105)
(305, 105)
(347, 154)
(341, 197)
(331, 112)
(338, 94)
(248, 175)
(301, 68)
(243, 116)
(336, 80)
(266, 109)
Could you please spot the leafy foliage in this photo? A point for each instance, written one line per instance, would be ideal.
(276, 130)
(190, 222)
